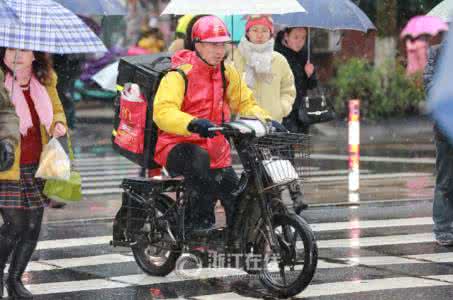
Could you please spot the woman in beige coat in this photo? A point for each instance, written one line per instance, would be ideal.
(269, 75)
(265, 71)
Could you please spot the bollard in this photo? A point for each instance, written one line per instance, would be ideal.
(354, 145)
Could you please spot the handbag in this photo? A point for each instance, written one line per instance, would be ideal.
(65, 190)
(315, 108)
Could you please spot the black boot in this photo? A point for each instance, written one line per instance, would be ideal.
(21, 256)
(6, 246)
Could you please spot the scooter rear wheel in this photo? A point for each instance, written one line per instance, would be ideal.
(159, 258)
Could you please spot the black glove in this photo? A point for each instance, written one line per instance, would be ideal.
(7, 155)
(201, 126)
(278, 127)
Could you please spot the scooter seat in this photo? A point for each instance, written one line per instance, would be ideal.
(148, 185)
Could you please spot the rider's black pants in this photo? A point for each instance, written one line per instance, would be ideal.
(203, 184)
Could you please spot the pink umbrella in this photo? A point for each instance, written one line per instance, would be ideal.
(423, 25)
(415, 33)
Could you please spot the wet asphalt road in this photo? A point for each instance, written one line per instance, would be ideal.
(375, 249)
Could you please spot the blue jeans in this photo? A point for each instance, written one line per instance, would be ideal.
(443, 193)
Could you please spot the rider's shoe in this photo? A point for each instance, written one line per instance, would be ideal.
(118, 232)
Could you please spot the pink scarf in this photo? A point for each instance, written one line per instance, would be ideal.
(39, 95)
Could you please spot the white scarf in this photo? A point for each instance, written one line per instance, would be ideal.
(258, 60)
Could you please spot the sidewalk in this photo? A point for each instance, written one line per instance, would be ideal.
(418, 127)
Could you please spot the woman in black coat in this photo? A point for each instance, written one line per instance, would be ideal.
(290, 42)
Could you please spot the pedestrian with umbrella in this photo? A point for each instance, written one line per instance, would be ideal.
(416, 36)
(438, 88)
(291, 43)
(294, 43)
(41, 116)
(31, 83)
(266, 72)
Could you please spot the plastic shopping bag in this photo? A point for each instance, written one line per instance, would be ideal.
(54, 162)
(133, 106)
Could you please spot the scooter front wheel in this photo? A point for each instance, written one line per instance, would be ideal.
(288, 268)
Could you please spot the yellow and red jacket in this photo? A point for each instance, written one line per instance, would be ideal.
(174, 108)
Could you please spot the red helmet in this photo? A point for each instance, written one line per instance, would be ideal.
(210, 29)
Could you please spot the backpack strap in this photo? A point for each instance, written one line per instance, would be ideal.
(224, 81)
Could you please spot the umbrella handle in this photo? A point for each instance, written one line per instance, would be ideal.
(16, 53)
(308, 45)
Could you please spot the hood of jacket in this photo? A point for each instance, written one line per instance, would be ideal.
(188, 57)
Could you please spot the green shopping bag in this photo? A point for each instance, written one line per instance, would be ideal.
(65, 190)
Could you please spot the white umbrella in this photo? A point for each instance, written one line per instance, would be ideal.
(106, 78)
(443, 10)
(232, 7)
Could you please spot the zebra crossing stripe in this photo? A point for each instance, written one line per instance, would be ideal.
(86, 261)
(374, 261)
(347, 262)
(110, 172)
(313, 290)
(318, 227)
(356, 286)
(371, 224)
(377, 241)
(360, 286)
(405, 160)
(74, 286)
(77, 242)
(369, 176)
(94, 192)
(123, 281)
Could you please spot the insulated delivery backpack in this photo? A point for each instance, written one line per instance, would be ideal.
(135, 134)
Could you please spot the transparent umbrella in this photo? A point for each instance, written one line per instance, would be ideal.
(443, 10)
(231, 7)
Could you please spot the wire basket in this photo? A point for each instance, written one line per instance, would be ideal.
(284, 158)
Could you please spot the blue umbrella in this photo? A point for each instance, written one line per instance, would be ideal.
(49, 27)
(7, 15)
(327, 14)
(440, 99)
(236, 25)
(95, 7)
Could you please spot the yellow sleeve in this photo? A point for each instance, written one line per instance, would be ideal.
(287, 88)
(240, 97)
(58, 111)
(167, 105)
